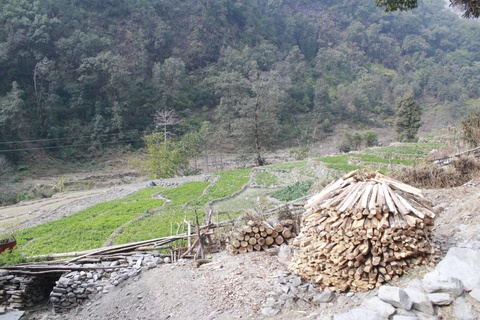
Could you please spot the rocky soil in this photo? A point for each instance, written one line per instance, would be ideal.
(236, 287)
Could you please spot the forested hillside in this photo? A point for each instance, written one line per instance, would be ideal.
(240, 72)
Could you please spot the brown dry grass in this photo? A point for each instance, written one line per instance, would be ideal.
(459, 171)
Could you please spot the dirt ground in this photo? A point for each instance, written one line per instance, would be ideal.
(231, 287)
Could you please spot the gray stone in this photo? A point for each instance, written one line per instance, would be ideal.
(13, 315)
(379, 306)
(2, 310)
(395, 296)
(359, 314)
(438, 282)
(475, 294)
(270, 302)
(424, 316)
(285, 254)
(397, 317)
(440, 299)
(296, 281)
(416, 284)
(420, 301)
(462, 309)
(269, 311)
(456, 268)
(325, 296)
(475, 245)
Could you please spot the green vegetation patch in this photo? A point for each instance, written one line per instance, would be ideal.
(187, 192)
(89, 228)
(372, 158)
(157, 225)
(334, 159)
(414, 151)
(287, 166)
(265, 178)
(295, 191)
(344, 167)
(229, 182)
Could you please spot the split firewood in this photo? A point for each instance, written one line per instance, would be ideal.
(361, 231)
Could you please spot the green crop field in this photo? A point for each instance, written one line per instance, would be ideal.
(88, 228)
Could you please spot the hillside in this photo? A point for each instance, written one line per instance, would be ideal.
(236, 286)
(81, 76)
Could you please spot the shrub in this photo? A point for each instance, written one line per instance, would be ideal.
(300, 153)
(371, 138)
(471, 129)
(297, 190)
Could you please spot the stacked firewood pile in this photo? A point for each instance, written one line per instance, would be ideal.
(257, 235)
(362, 230)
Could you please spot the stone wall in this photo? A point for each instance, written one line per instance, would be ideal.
(74, 288)
(23, 291)
(70, 289)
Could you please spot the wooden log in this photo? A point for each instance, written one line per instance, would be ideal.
(257, 247)
(269, 240)
(252, 241)
(242, 250)
(243, 244)
(249, 248)
(279, 240)
(287, 222)
(261, 241)
(286, 234)
(235, 243)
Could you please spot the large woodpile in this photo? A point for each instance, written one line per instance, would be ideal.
(257, 235)
(360, 231)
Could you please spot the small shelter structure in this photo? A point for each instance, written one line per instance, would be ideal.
(362, 230)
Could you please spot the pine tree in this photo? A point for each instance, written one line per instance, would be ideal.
(408, 117)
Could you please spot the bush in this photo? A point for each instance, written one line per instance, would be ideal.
(300, 153)
(471, 129)
(371, 138)
(345, 147)
(295, 191)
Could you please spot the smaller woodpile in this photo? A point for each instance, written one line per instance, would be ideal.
(257, 235)
(360, 231)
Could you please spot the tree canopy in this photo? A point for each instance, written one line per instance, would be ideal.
(78, 76)
(469, 8)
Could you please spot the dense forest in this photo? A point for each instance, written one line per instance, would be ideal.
(88, 74)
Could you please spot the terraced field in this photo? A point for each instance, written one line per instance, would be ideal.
(153, 211)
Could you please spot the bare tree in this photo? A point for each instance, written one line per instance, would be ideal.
(165, 118)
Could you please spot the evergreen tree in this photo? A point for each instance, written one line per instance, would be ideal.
(408, 116)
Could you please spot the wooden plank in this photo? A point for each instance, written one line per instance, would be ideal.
(373, 198)
(344, 196)
(352, 198)
(399, 204)
(366, 195)
(323, 194)
(388, 199)
(399, 185)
